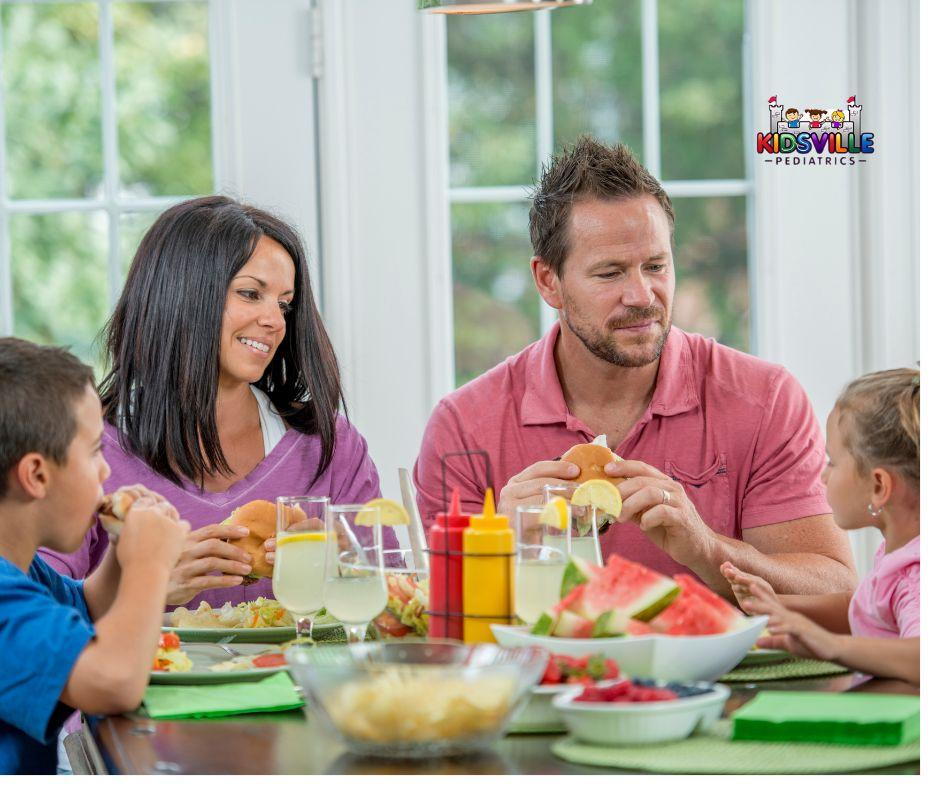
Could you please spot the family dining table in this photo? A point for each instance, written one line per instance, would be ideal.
(298, 742)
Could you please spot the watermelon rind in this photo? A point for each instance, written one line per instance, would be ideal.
(545, 623)
(577, 573)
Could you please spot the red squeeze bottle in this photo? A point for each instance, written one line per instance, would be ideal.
(447, 571)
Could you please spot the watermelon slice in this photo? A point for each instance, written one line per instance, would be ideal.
(625, 590)
(577, 572)
(546, 623)
(697, 611)
(571, 625)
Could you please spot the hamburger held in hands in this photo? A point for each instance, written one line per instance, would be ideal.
(591, 459)
(260, 518)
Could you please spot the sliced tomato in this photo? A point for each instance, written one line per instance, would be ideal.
(389, 625)
(269, 661)
(169, 640)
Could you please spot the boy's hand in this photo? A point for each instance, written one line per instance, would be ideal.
(152, 533)
(205, 552)
(794, 632)
(746, 586)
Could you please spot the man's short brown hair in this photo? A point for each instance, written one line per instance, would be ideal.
(39, 387)
(587, 169)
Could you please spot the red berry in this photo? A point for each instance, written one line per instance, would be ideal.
(611, 671)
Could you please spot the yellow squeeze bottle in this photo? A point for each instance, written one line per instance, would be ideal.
(488, 576)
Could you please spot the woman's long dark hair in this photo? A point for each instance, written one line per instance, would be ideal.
(164, 336)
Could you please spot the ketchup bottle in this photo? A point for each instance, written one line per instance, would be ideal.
(446, 590)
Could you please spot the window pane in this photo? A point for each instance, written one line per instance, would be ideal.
(52, 99)
(598, 73)
(700, 88)
(491, 96)
(60, 283)
(496, 305)
(131, 230)
(711, 256)
(163, 98)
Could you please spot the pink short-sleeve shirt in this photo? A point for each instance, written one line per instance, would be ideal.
(739, 433)
(886, 603)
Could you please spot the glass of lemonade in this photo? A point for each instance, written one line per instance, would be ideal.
(541, 555)
(355, 576)
(300, 558)
(582, 535)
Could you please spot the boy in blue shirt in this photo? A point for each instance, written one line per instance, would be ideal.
(64, 644)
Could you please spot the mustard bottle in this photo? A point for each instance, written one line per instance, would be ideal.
(488, 576)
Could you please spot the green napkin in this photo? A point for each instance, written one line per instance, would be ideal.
(838, 718)
(176, 701)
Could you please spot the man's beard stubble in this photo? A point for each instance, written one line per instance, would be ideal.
(605, 347)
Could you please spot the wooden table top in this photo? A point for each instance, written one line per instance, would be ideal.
(297, 742)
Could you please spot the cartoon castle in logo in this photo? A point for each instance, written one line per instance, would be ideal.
(792, 122)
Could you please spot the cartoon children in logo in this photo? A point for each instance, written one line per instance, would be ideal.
(793, 117)
(815, 117)
(837, 118)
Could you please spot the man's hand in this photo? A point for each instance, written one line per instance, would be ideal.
(152, 533)
(526, 488)
(746, 586)
(794, 632)
(205, 552)
(663, 511)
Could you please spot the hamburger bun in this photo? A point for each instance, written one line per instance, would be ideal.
(591, 459)
(113, 509)
(260, 518)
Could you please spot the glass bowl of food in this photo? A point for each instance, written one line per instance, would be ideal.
(410, 699)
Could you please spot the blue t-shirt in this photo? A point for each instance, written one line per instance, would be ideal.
(44, 625)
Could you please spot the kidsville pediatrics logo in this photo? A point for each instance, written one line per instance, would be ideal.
(814, 136)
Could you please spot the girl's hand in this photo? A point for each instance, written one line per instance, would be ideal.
(746, 586)
(794, 632)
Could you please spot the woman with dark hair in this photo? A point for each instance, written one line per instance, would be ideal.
(222, 388)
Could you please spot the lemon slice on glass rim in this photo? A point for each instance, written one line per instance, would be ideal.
(390, 513)
(308, 536)
(600, 494)
(555, 514)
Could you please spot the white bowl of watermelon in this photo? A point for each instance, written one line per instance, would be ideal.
(651, 625)
(642, 711)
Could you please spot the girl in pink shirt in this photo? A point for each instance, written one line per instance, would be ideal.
(872, 478)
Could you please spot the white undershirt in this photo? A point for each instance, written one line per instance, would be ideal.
(272, 425)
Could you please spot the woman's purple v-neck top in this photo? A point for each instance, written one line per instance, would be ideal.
(351, 477)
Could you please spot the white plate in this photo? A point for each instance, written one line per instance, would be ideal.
(244, 634)
(619, 724)
(204, 656)
(536, 714)
(668, 657)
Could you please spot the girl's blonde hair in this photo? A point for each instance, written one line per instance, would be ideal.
(838, 114)
(881, 413)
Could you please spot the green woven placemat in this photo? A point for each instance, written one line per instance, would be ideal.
(795, 668)
(713, 753)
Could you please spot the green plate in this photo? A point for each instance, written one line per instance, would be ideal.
(764, 656)
(204, 656)
(322, 628)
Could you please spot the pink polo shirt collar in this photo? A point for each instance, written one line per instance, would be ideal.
(544, 402)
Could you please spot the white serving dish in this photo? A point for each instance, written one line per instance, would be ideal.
(667, 657)
(619, 724)
(537, 713)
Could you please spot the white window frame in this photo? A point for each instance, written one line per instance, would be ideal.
(283, 179)
(436, 50)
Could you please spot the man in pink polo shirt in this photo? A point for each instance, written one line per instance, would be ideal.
(722, 451)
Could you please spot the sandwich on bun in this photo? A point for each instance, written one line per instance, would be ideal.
(591, 459)
(260, 518)
(113, 509)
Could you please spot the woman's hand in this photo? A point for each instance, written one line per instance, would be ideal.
(746, 586)
(204, 555)
(794, 632)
